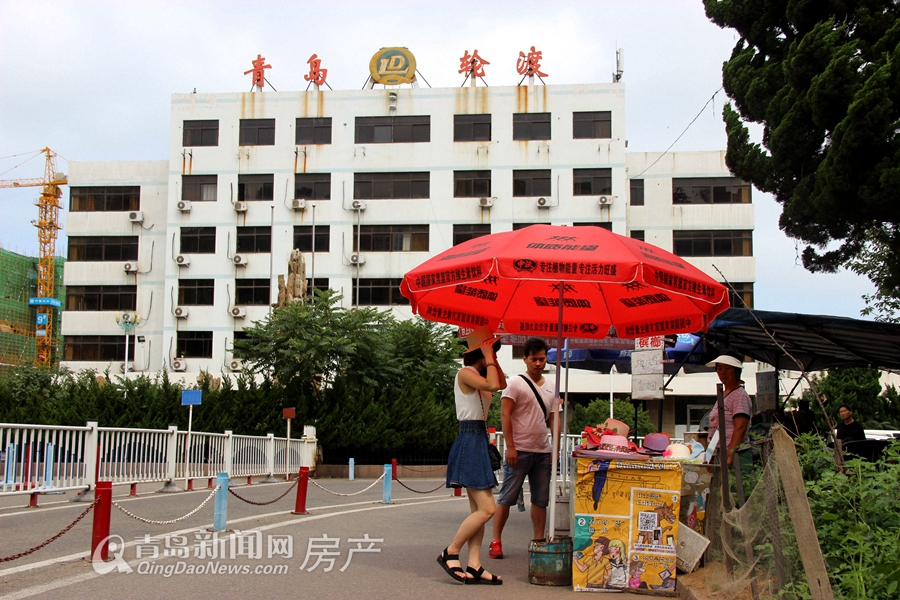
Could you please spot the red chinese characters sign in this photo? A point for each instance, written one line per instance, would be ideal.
(530, 64)
(316, 73)
(472, 64)
(258, 70)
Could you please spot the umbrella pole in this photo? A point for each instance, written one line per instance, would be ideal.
(554, 438)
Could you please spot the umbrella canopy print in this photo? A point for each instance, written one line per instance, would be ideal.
(595, 282)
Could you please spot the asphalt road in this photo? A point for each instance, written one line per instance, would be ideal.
(414, 529)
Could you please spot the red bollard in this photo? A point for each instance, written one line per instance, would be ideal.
(209, 484)
(190, 486)
(133, 491)
(249, 479)
(32, 502)
(457, 491)
(393, 469)
(102, 513)
(302, 484)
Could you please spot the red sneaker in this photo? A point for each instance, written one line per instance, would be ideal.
(496, 550)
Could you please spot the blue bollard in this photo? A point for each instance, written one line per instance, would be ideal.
(220, 519)
(386, 491)
(351, 469)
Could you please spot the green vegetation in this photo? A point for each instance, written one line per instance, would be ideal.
(860, 388)
(598, 411)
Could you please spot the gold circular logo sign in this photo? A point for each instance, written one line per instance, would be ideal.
(393, 66)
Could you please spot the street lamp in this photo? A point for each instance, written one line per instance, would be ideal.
(127, 321)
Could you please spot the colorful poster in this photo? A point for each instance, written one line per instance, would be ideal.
(626, 524)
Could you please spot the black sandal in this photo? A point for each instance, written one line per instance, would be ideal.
(455, 572)
(477, 578)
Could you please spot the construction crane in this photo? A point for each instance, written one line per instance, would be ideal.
(47, 225)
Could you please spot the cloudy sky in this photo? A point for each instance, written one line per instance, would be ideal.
(92, 80)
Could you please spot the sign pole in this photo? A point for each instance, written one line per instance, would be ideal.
(288, 451)
(187, 444)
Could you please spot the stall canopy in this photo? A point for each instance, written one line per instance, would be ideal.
(818, 342)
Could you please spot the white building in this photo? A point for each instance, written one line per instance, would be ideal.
(195, 244)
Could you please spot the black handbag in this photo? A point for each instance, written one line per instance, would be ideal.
(496, 460)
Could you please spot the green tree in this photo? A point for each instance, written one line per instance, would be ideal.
(823, 80)
(860, 388)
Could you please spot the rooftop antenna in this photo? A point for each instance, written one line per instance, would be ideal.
(620, 65)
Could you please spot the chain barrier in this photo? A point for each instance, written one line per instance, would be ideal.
(423, 470)
(354, 493)
(170, 522)
(419, 491)
(239, 497)
(54, 538)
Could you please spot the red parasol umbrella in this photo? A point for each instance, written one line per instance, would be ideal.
(572, 282)
(520, 282)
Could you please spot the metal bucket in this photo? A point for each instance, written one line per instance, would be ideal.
(550, 563)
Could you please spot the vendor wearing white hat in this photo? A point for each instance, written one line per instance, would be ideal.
(737, 408)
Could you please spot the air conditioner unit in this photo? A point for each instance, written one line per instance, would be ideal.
(131, 267)
(606, 200)
(181, 312)
(183, 260)
(136, 216)
(298, 204)
(485, 202)
(240, 260)
(184, 206)
(358, 205)
(357, 259)
(542, 202)
(179, 364)
(238, 312)
(240, 206)
(236, 365)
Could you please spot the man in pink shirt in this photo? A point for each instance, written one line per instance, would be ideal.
(528, 452)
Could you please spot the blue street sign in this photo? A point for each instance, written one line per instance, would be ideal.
(44, 302)
(41, 319)
(189, 397)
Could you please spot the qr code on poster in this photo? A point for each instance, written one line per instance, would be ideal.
(647, 521)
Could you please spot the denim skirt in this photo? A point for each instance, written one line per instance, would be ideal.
(469, 465)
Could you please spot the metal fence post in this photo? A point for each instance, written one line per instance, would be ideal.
(228, 452)
(90, 460)
(171, 462)
(270, 459)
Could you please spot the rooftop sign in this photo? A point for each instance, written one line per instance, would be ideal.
(393, 66)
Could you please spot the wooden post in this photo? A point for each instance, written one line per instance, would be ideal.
(801, 516)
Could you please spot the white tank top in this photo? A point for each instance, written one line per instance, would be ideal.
(474, 406)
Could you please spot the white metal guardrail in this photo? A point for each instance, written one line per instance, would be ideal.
(38, 459)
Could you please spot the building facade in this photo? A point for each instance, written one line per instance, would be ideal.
(376, 181)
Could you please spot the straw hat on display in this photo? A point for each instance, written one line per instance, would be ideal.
(479, 337)
(655, 444)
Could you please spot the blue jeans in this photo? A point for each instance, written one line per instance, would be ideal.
(535, 465)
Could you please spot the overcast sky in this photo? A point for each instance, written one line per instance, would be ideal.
(92, 80)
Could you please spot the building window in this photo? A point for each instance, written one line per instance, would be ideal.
(257, 132)
(636, 192)
(201, 133)
(199, 188)
(607, 225)
(194, 344)
(105, 199)
(388, 130)
(391, 186)
(196, 292)
(471, 128)
(315, 130)
(101, 297)
(708, 242)
(254, 239)
(531, 126)
(591, 182)
(742, 291)
(534, 182)
(391, 238)
(251, 292)
(379, 292)
(104, 348)
(256, 187)
(637, 234)
(710, 190)
(198, 240)
(592, 125)
(518, 226)
(462, 233)
(312, 186)
(103, 248)
(303, 238)
(471, 184)
(319, 283)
